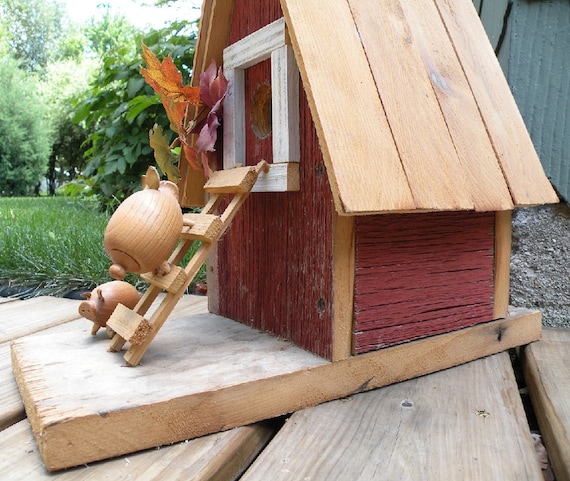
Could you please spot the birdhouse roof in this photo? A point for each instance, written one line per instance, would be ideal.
(410, 104)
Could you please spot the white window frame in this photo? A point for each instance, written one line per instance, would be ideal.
(268, 42)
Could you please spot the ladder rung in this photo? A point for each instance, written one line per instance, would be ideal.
(238, 180)
(205, 227)
(171, 282)
(129, 325)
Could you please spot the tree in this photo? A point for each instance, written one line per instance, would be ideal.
(32, 30)
(122, 108)
(24, 136)
(64, 82)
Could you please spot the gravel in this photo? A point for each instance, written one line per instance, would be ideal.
(540, 262)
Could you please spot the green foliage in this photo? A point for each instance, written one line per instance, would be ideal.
(25, 137)
(65, 81)
(122, 108)
(32, 30)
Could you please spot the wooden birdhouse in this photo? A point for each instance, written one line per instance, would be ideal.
(397, 155)
(386, 153)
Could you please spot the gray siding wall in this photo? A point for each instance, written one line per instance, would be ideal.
(535, 55)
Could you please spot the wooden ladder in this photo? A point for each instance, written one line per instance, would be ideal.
(207, 228)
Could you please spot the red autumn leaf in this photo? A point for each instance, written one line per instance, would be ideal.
(213, 87)
(166, 80)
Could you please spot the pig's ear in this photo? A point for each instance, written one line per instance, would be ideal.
(87, 295)
(99, 294)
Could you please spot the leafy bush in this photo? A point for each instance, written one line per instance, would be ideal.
(121, 109)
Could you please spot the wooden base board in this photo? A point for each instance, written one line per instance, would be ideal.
(205, 374)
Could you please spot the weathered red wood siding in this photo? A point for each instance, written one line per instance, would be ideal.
(275, 262)
(419, 275)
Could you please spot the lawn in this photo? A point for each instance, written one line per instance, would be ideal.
(53, 246)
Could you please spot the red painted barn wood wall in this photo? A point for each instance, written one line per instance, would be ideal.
(421, 274)
(275, 262)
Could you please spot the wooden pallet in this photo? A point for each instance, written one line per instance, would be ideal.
(206, 228)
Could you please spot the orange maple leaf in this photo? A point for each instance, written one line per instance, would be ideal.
(166, 80)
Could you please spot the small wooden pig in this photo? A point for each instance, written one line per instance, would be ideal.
(101, 302)
(144, 230)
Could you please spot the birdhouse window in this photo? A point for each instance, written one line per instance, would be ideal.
(276, 109)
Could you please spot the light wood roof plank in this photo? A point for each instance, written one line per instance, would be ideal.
(417, 123)
(362, 161)
(518, 159)
(475, 153)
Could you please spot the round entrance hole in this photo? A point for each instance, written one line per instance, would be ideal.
(261, 111)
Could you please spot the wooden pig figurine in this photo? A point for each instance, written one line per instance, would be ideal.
(101, 302)
(144, 230)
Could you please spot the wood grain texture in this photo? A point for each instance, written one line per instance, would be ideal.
(421, 274)
(221, 375)
(343, 281)
(546, 365)
(394, 42)
(273, 269)
(502, 260)
(412, 430)
(518, 159)
(37, 314)
(355, 137)
(12, 409)
(220, 456)
(476, 158)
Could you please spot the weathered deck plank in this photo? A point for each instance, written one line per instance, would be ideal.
(220, 456)
(546, 366)
(463, 423)
(36, 314)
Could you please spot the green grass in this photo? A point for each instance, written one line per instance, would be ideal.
(53, 245)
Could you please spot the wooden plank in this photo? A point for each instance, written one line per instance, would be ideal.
(285, 105)
(35, 314)
(131, 326)
(546, 366)
(502, 259)
(239, 180)
(406, 266)
(412, 430)
(219, 456)
(171, 282)
(283, 177)
(355, 137)
(221, 375)
(522, 168)
(3, 300)
(475, 154)
(256, 47)
(392, 44)
(12, 407)
(343, 285)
